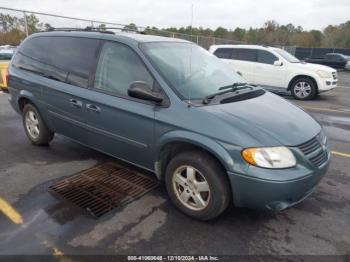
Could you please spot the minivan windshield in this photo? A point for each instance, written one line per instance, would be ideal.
(192, 71)
(290, 58)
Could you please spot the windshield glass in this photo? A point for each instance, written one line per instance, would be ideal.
(189, 69)
(290, 58)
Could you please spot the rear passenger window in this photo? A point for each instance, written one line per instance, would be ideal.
(118, 67)
(246, 54)
(75, 56)
(223, 53)
(266, 57)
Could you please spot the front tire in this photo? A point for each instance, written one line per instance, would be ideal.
(304, 89)
(197, 185)
(35, 127)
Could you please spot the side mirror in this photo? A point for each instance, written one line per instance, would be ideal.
(142, 90)
(278, 63)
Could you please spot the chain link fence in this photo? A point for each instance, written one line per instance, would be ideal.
(17, 24)
(27, 22)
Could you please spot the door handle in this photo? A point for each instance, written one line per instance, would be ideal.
(93, 108)
(76, 103)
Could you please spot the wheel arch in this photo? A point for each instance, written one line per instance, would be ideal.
(302, 76)
(179, 141)
(24, 98)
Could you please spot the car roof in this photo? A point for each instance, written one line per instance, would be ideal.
(131, 37)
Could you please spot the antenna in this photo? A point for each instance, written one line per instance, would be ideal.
(189, 89)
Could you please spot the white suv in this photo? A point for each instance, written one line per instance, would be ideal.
(277, 70)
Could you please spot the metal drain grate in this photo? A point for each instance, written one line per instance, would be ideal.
(103, 188)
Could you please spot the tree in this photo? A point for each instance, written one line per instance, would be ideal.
(130, 28)
(238, 34)
(220, 32)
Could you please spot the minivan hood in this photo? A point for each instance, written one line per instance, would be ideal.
(269, 118)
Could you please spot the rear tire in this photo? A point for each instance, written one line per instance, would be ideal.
(304, 89)
(197, 185)
(35, 127)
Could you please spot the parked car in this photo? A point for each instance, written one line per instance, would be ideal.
(169, 106)
(334, 60)
(277, 70)
(5, 57)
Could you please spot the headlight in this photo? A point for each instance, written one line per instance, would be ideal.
(324, 74)
(269, 157)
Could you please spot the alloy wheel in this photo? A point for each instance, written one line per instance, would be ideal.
(302, 89)
(191, 188)
(32, 124)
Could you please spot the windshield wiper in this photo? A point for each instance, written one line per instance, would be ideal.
(226, 89)
(233, 86)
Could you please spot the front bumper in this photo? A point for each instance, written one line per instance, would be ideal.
(254, 192)
(327, 84)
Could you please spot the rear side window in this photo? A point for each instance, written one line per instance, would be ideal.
(36, 48)
(118, 67)
(266, 57)
(74, 55)
(246, 54)
(32, 55)
(65, 59)
(223, 53)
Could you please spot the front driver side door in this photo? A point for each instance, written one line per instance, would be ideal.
(120, 125)
(268, 74)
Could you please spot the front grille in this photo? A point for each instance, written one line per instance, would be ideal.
(310, 148)
(319, 159)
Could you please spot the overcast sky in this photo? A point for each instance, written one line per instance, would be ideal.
(310, 14)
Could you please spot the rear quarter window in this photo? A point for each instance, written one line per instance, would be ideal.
(61, 58)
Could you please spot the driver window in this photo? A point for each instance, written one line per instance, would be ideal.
(266, 57)
(118, 67)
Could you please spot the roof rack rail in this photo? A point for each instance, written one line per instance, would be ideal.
(105, 30)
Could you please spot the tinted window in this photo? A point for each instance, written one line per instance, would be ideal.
(32, 55)
(66, 59)
(223, 53)
(36, 48)
(118, 67)
(5, 56)
(266, 57)
(74, 55)
(244, 54)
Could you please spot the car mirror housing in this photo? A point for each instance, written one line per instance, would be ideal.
(142, 90)
(278, 63)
